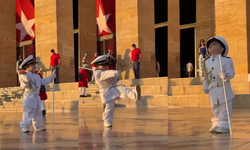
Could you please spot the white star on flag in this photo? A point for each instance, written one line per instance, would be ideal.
(102, 22)
(25, 26)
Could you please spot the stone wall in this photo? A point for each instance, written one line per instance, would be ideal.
(8, 76)
(231, 23)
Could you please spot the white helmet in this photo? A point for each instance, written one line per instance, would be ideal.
(222, 41)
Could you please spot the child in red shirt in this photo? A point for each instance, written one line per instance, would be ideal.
(83, 79)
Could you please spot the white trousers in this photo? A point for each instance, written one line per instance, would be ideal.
(82, 90)
(108, 113)
(31, 114)
(220, 114)
(43, 106)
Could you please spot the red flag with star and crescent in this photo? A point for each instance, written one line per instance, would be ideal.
(105, 17)
(25, 20)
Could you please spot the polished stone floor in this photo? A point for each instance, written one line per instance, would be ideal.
(188, 130)
(64, 137)
(133, 129)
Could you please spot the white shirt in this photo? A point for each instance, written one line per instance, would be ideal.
(212, 66)
(189, 67)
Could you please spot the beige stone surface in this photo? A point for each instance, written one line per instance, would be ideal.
(173, 39)
(54, 30)
(87, 29)
(8, 77)
(135, 24)
(231, 23)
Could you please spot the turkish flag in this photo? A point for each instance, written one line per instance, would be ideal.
(105, 16)
(25, 20)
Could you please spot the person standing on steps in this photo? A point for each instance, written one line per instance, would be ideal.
(136, 60)
(83, 79)
(189, 68)
(55, 64)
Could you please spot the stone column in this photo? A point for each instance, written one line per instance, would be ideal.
(205, 27)
(173, 39)
(54, 30)
(231, 23)
(87, 29)
(8, 76)
(135, 24)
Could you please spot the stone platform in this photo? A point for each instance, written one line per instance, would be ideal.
(188, 92)
(65, 136)
(133, 128)
(188, 130)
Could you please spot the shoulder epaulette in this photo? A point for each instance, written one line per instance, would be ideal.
(206, 58)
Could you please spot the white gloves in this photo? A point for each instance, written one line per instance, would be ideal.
(206, 91)
(223, 76)
(53, 75)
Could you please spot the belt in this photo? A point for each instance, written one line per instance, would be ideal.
(216, 84)
(30, 92)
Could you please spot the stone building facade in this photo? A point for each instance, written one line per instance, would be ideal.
(135, 23)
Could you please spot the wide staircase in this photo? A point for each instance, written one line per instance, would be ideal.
(188, 92)
(154, 93)
(66, 98)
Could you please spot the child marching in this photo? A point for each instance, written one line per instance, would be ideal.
(109, 90)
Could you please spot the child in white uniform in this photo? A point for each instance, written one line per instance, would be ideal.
(109, 90)
(213, 85)
(31, 83)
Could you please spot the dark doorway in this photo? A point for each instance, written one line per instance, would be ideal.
(187, 50)
(187, 11)
(161, 49)
(76, 47)
(161, 11)
(75, 13)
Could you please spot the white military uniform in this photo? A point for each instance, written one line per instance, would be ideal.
(213, 86)
(31, 83)
(109, 91)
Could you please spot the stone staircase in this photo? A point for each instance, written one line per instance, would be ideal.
(188, 92)
(154, 93)
(66, 98)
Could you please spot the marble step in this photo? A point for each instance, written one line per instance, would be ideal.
(241, 78)
(145, 90)
(240, 101)
(157, 100)
(238, 88)
(145, 81)
(60, 105)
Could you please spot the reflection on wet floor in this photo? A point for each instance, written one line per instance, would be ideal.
(65, 135)
(188, 130)
(139, 129)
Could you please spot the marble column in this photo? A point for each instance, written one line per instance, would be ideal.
(54, 30)
(135, 25)
(173, 39)
(87, 29)
(8, 76)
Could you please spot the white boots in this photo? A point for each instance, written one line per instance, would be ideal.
(26, 130)
(218, 129)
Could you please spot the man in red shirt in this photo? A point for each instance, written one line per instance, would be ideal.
(135, 60)
(55, 64)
